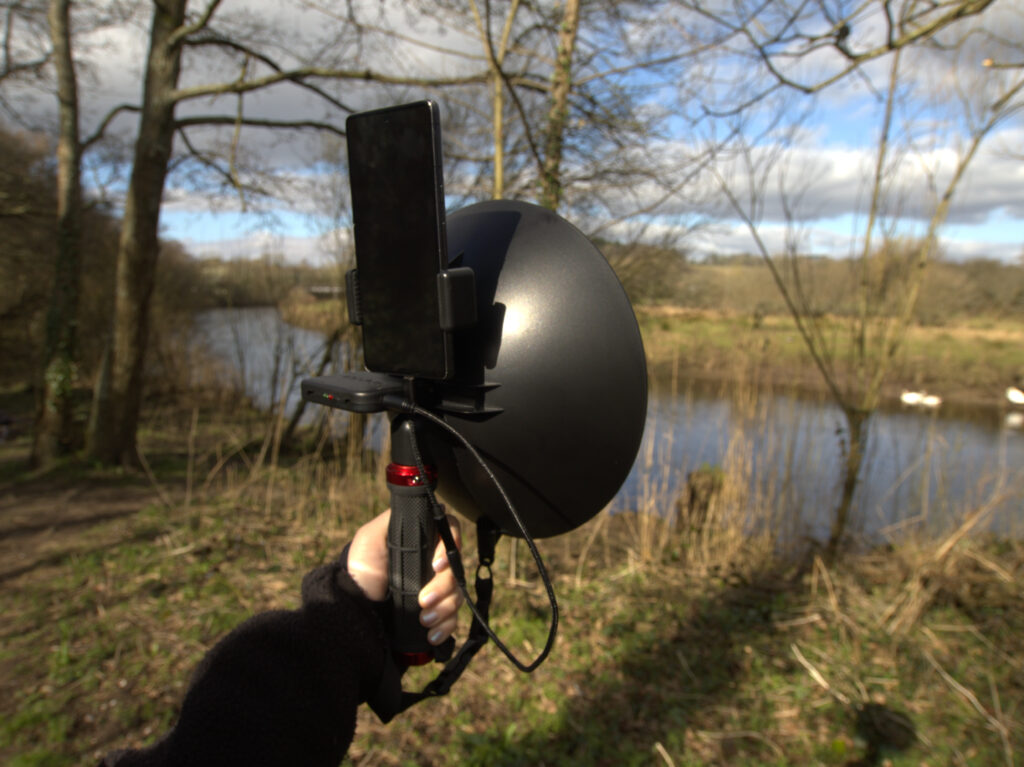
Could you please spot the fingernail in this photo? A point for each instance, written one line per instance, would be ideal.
(436, 636)
(429, 619)
(439, 564)
(429, 600)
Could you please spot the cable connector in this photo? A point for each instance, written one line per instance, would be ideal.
(399, 403)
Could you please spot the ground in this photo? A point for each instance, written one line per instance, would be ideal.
(676, 647)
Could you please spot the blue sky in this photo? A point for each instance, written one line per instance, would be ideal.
(988, 219)
(247, 235)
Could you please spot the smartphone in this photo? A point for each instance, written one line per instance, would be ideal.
(397, 184)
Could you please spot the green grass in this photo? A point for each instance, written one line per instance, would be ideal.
(649, 661)
(754, 347)
(655, 663)
(735, 347)
(102, 641)
(705, 672)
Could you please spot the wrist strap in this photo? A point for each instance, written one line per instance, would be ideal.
(390, 699)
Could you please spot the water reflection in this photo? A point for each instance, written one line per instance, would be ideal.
(263, 353)
(268, 358)
(923, 468)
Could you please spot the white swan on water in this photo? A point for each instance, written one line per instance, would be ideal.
(911, 398)
(920, 399)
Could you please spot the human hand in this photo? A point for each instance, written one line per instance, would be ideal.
(439, 600)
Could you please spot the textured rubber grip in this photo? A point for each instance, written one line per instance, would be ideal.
(412, 537)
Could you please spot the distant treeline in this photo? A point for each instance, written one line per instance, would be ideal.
(952, 291)
(258, 282)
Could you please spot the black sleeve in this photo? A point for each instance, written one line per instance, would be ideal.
(283, 687)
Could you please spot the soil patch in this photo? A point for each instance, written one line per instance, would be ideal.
(43, 522)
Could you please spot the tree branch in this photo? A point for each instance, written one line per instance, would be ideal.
(798, 318)
(183, 32)
(223, 42)
(296, 75)
(256, 122)
(894, 333)
(228, 177)
(908, 33)
(98, 133)
(9, 69)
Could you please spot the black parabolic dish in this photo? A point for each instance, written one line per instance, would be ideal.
(557, 338)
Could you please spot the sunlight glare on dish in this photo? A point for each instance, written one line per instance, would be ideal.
(517, 320)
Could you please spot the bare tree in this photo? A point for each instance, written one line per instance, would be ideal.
(889, 274)
(567, 109)
(174, 31)
(53, 430)
(558, 112)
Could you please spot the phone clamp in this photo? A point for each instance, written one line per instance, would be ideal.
(456, 298)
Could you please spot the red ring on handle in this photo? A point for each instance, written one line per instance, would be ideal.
(409, 476)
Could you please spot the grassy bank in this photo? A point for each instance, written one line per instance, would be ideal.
(968, 362)
(677, 646)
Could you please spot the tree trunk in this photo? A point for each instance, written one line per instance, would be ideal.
(558, 112)
(54, 424)
(498, 122)
(113, 437)
(857, 426)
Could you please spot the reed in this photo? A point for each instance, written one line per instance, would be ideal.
(692, 635)
(694, 628)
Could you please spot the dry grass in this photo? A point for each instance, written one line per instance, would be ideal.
(709, 344)
(679, 645)
(691, 633)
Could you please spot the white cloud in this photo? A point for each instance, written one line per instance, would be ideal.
(830, 179)
(816, 181)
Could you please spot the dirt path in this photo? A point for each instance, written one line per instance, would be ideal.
(42, 522)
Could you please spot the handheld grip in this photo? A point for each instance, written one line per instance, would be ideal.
(412, 536)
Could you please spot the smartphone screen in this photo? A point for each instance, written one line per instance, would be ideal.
(397, 187)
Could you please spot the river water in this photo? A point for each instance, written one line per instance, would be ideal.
(922, 468)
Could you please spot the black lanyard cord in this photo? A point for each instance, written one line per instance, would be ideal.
(455, 559)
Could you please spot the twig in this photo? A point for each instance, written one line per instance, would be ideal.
(918, 594)
(988, 564)
(1001, 729)
(191, 463)
(817, 677)
(833, 600)
(212, 473)
(998, 706)
(597, 527)
(182, 550)
(164, 499)
(664, 754)
(969, 524)
(686, 666)
(814, 617)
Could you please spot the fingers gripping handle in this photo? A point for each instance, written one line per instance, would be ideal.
(412, 536)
